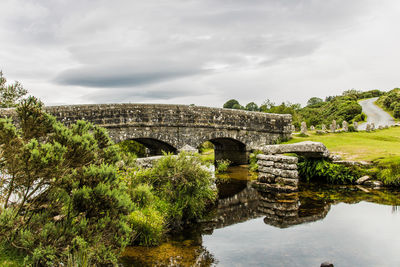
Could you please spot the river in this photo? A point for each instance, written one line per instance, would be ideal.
(345, 225)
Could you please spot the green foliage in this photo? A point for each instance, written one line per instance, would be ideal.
(318, 112)
(322, 170)
(62, 189)
(359, 117)
(231, 103)
(9, 257)
(396, 111)
(142, 195)
(10, 94)
(352, 128)
(148, 224)
(206, 146)
(391, 102)
(252, 107)
(314, 101)
(388, 171)
(237, 106)
(253, 166)
(133, 147)
(181, 184)
(222, 165)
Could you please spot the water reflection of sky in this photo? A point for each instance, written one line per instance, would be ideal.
(362, 234)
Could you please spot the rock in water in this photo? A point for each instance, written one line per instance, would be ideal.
(363, 179)
(327, 264)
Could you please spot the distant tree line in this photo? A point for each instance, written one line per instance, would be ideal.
(317, 111)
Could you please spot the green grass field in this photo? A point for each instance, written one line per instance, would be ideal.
(359, 145)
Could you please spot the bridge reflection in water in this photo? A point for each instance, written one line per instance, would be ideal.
(241, 207)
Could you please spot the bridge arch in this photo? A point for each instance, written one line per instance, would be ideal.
(229, 146)
(155, 146)
(155, 142)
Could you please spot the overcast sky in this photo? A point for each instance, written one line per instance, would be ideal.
(202, 52)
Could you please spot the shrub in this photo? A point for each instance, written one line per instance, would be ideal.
(142, 195)
(388, 171)
(352, 128)
(396, 111)
(222, 165)
(253, 166)
(182, 184)
(148, 224)
(322, 170)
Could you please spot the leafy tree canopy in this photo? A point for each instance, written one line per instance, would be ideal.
(231, 103)
(10, 94)
(252, 106)
(313, 101)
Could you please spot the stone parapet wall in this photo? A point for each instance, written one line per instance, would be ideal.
(277, 173)
(173, 115)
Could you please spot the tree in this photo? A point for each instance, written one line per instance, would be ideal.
(252, 106)
(10, 94)
(231, 103)
(313, 101)
(266, 105)
(63, 194)
(237, 106)
(396, 111)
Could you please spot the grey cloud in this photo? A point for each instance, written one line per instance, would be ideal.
(104, 78)
(138, 95)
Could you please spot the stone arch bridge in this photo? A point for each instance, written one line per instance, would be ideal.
(171, 128)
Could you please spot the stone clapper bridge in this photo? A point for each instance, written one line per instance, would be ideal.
(173, 128)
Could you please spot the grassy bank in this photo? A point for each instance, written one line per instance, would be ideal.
(381, 147)
(361, 146)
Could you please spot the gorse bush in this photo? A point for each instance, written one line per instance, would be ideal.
(322, 170)
(62, 189)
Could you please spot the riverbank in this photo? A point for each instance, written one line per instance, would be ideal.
(358, 146)
(381, 148)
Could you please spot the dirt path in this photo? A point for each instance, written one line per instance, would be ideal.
(375, 114)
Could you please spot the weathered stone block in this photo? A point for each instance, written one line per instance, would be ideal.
(285, 181)
(278, 158)
(266, 163)
(281, 173)
(306, 148)
(280, 206)
(285, 166)
(266, 179)
(274, 187)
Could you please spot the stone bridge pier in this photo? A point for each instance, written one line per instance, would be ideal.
(278, 172)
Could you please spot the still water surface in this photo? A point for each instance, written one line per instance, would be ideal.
(344, 225)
